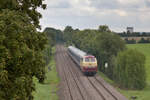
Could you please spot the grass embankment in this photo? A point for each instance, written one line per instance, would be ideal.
(47, 91)
(140, 94)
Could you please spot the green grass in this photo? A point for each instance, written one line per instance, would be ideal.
(141, 94)
(47, 91)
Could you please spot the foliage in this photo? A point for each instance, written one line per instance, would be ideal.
(104, 28)
(47, 53)
(53, 35)
(129, 71)
(68, 34)
(144, 93)
(28, 7)
(108, 45)
(21, 55)
(84, 40)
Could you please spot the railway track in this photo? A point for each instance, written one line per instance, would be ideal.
(76, 86)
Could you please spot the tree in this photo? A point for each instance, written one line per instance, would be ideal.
(129, 71)
(28, 7)
(68, 34)
(21, 55)
(54, 35)
(104, 28)
(108, 45)
(21, 48)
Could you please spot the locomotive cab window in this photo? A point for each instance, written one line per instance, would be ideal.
(87, 60)
(92, 59)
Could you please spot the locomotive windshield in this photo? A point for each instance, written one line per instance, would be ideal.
(92, 59)
(89, 59)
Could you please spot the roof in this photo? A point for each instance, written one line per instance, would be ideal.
(77, 51)
(129, 27)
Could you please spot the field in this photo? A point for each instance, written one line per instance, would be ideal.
(145, 93)
(47, 91)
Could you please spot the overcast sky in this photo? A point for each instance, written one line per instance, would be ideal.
(83, 14)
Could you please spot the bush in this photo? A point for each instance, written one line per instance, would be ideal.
(129, 71)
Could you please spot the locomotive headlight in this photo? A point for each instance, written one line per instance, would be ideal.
(106, 65)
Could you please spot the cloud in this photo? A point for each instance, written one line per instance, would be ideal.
(103, 4)
(60, 4)
(129, 1)
(121, 12)
(118, 14)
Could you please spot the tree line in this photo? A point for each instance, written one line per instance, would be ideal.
(123, 66)
(133, 41)
(135, 34)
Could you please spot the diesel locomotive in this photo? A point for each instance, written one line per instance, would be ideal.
(86, 62)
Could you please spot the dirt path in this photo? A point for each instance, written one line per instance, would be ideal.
(76, 86)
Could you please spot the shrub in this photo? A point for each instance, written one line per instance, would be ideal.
(129, 71)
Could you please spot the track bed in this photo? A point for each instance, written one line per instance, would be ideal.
(76, 86)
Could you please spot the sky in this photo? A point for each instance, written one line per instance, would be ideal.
(83, 14)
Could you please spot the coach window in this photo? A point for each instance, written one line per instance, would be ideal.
(81, 59)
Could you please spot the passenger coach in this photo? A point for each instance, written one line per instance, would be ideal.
(87, 63)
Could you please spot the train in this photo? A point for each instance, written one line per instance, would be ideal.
(86, 62)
